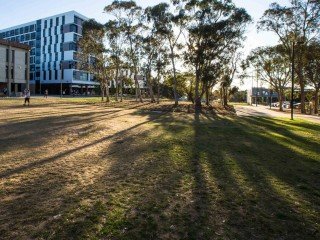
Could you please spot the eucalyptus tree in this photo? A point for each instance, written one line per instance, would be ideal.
(115, 40)
(215, 27)
(273, 67)
(150, 53)
(168, 27)
(91, 56)
(129, 14)
(297, 23)
(228, 72)
(312, 70)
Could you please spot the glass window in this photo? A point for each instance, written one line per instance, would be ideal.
(32, 28)
(51, 22)
(44, 75)
(16, 32)
(57, 21)
(33, 35)
(7, 72)
(55, 74)
(11, 33)
(12, 73)
(21, 30)
(26, 29)
(49, 75)
(63, 20)
(12, 56)
(45, 23)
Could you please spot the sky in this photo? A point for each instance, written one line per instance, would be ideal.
(15, 12)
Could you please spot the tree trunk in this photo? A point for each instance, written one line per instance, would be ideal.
(316, 101)
(151, 89)
(107, 93)
(117, 84)
(158, 87)
(102, 92)
(121, 89)
(138, 92)
(280, 101)
(303, 98)
(207, 96)
(225, 96)
(174, 77)
(197, 95)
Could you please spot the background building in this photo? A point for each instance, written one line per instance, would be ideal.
(53, 59)
(260, 95)
(14, 67)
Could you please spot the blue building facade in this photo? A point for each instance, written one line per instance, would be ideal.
(53, 56)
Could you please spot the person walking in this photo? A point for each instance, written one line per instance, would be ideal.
(46, 92)
(26, 97)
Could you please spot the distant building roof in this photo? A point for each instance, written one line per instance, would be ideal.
(14, 44)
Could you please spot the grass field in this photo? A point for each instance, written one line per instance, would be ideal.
(79, 170)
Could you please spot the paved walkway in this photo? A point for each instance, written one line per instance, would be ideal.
(266, 112)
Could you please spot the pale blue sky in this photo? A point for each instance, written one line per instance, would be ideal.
(14, 12)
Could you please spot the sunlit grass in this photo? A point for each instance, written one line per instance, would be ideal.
(92, 172)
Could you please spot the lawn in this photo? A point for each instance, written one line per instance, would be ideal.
(82, 170)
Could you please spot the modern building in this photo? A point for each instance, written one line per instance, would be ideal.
(53, 59)
(261, 95)
(14, 67)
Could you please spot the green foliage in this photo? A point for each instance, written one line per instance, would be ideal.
(182, 85)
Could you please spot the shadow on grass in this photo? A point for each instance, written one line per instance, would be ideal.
(181, 176)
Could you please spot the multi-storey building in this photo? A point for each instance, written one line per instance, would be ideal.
(53, 57)
(14, 67)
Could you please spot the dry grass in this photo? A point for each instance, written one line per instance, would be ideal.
(76, 169)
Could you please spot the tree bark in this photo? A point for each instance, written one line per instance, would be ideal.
(316, 101)
(117, 84)
(138, 92)
(150, 86)
(107, 92)
(121, 89)
(174, 77)
(158, 87)
(225, 97)
(280, 93)
(303, 98)
(207, 95)
(197, 95)
(102, 92)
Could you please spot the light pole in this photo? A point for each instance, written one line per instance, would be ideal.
(257, 91)
(292, 78)
(61, 79)
(270, 92)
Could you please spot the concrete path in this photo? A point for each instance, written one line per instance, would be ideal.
(264, 111)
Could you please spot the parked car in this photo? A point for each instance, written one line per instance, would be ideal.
(286, 104)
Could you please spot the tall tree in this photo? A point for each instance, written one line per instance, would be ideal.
(274, 68)
(312, 70)
(169, 27)
(298, 23)
(91, 56)
(115, 40)
(128, 14)
(215, 27)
